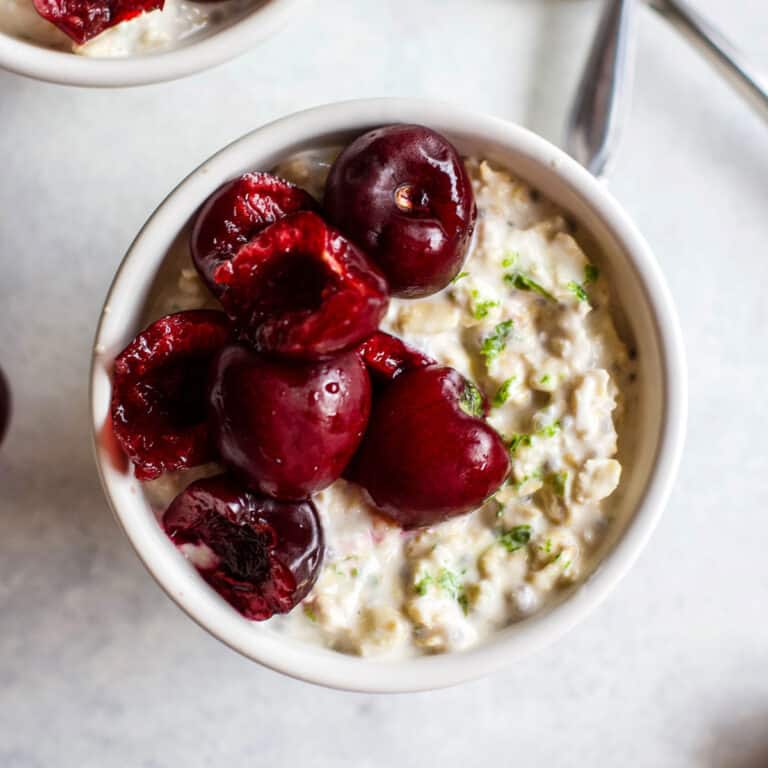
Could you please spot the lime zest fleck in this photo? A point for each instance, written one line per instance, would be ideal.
(515, 538)
(496, 342)
(518, 439)
(309, 613)
(591, 273)
(422, 584)
(524, 283)
(510, 257)
(502, 393)
(481, 307)
(578, 291)
(550, 430)
(449, 583)
(458, 277)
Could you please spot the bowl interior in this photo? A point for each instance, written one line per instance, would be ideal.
(650, 439)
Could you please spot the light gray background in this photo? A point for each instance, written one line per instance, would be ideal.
(98, 668)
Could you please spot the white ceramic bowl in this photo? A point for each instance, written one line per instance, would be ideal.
(222, 41)
(638, 287)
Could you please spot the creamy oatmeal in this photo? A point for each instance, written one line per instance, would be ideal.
(529, 320)
(148, 32)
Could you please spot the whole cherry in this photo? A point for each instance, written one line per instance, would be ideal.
(5, 405)
(404, 196)
(261, 555)
(288, 429)
(428, 454)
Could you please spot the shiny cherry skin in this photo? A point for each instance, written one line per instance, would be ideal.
(5, 405)
(428, 454)
(263, 555)
(159, 392)
(288, 429)
(403, 195)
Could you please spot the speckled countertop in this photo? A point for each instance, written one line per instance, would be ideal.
(98, 668)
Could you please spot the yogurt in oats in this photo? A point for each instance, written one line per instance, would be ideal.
(530, 321)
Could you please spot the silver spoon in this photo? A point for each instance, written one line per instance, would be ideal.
(601, 100)
(722, 54)
(602, 97)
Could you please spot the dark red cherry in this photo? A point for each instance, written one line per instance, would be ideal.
(263, 555)
(300, 290)
(289, 429)
(386, 356)
(5, 405)
(82, 20)
(237, 211)
(428, 454)
(403, 195)
(159, 395)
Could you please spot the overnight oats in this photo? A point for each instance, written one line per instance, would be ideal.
(380, 409)
(109, 29)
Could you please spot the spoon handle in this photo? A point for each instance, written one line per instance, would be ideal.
(599, 107)
(723, 56)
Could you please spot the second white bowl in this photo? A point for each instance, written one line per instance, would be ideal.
(222, 41)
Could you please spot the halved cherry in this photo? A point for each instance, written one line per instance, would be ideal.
(159, 395)
(237, 211)
(82, 20)
(299, 289)
(261, 555)
(386, 356)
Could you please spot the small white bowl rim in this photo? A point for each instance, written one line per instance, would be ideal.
(64, 68)
(343, 672)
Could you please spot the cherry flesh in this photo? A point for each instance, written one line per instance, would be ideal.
(288, 429)
(386, 356)
(428, 455)
(159, 402)
(300, 290)
(82, 20)
(264, 555)
(403, 195)
(236, 212)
